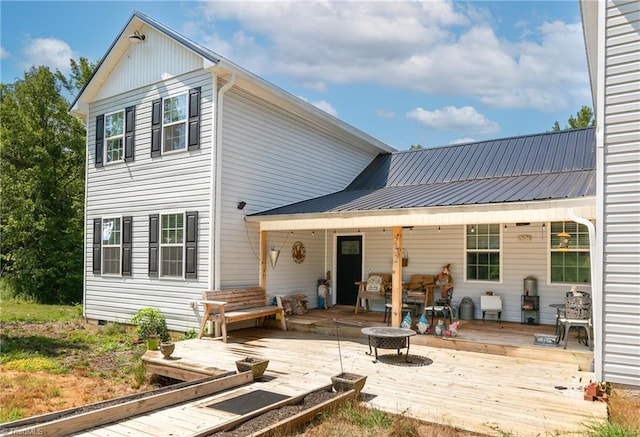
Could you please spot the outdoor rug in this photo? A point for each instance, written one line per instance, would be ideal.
(248, 402)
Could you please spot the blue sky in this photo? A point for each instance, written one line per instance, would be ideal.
(430, 73)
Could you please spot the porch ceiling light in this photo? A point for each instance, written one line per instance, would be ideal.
(563, 245)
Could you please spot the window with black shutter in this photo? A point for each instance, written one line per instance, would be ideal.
(99, 146)
(127, 243)
(191, 245)
(153, 244)
(175, 123)
(97, 246)
(129, 131)
(194, 119)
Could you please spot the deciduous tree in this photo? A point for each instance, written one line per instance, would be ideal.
(42, 179)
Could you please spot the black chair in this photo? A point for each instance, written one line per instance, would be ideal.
(441, 307)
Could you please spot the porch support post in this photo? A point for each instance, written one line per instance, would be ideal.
(396, 278)
(263, 259)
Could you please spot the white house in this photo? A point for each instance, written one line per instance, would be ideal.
(176, 137)
(196, 167)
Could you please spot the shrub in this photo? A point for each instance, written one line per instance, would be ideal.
(150, 323)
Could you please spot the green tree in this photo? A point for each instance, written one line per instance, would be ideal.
(81, 72)
(42, 180)
(416, 147)
(584, 118)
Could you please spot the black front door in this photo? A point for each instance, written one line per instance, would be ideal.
(348, 268)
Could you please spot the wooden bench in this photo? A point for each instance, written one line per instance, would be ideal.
(228, 306)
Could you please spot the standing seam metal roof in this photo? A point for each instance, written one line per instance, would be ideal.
(551, 165)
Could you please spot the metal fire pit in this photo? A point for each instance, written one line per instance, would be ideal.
(388, 338)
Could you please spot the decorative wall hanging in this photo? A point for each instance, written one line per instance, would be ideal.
(298, 252)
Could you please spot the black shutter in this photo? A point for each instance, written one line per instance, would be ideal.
(129, 128)
(154, 246)
(97, 246)
(99, 140)
(191, 245)
(156, 127)
(127, 233)
(194, 119)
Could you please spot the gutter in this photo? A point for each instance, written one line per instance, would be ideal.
(596, 288)
(215, 213)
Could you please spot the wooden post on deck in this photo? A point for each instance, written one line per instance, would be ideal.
(263, 259)
(396, 278)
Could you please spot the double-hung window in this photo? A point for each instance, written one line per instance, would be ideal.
(112, 244)
(171, 244)
(114, 136)
(175, 123)
(483, 252)
(570, 264)
(173, 239)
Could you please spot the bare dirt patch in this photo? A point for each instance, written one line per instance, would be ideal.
(86, 370)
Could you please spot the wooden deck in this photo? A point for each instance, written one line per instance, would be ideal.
(487, 393)
(506, 338)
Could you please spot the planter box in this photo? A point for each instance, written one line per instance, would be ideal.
(257, 366)
(348, 381)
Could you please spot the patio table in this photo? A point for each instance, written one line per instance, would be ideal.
(388, 338)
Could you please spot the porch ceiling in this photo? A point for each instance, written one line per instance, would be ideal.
(554, 210)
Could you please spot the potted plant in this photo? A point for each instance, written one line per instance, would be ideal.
(346, 381)
(257, 366)
(151, 327)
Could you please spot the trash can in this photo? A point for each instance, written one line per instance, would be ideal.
(466, 309)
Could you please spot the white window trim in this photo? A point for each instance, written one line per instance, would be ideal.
(103, 246)
(175, 123)
(105, 152)
(500, 251)
(161, 245)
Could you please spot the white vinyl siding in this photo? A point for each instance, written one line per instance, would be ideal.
(153, 61)
(272, 158)
(620, 194)
(174, 182)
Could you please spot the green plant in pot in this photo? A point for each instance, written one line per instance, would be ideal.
(151, 327)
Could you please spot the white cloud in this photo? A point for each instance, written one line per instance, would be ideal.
(50, 52)
(4, 54)
(426, 47)
(381, 113)
(463, 140)
(465, 120)
(326, 107)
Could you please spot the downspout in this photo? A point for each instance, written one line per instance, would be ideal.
(216, 188)
(596, 289)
